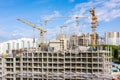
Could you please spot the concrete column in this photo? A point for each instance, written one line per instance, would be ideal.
(14, 68)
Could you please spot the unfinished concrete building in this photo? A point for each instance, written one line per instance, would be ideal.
(80, 65)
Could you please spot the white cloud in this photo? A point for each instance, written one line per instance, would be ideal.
(16, 33)
(106, 10)
(23, 32)
(19, 32)
(51, 16)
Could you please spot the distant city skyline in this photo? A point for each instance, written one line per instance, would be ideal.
(107, 11)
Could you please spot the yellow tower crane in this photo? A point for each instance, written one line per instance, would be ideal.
(42, 31)
(94, 25)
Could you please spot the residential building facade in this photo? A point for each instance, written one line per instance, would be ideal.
(113, 38)
(8, 46)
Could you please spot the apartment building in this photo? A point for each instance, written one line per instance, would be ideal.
(8, 46)
(84, 65)
(66, 42)
(84, 39)
(113, 38)
(79, 40)
(58, 45)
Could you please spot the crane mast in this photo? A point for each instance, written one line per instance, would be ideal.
(94, 25)
(36, 27)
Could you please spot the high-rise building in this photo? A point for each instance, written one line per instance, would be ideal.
(60, 43)
(8, 46)
(113, 38)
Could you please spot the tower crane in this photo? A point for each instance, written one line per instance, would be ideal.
(42, 31)
(75, 18)
(77, 21)
(94, 25)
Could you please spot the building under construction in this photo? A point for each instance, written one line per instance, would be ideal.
(73, 65)
(62, 59)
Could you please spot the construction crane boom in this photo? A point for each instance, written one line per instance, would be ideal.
(29, 23)
(36, 27)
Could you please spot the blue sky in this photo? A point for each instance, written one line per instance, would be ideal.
(107, 11)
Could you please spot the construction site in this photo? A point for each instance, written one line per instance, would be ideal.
(61, 59)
